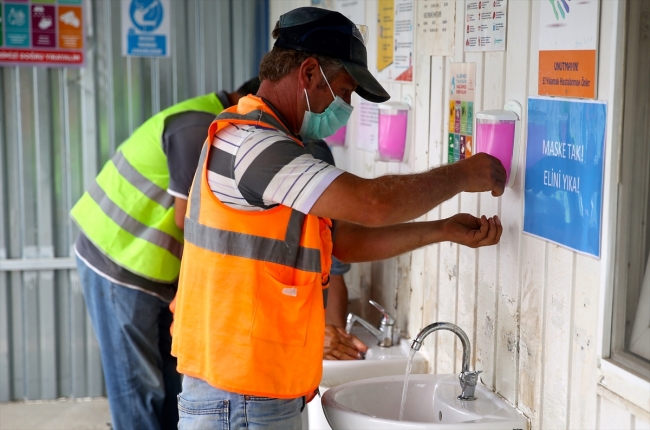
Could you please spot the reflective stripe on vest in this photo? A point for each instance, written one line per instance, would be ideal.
(127, 212)
(251, 286)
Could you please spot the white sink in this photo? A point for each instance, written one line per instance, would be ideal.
(378, 362)
(431, 403)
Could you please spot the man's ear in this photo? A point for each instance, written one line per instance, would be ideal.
(307, 73)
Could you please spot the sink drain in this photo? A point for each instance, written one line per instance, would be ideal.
(439, 415)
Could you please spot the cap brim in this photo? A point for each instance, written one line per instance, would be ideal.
(368, 87)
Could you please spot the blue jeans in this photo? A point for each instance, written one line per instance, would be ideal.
(132, 329)
(203, 407)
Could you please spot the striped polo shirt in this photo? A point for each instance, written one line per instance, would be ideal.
(253, 168)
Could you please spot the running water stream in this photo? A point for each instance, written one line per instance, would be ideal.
(406, 382)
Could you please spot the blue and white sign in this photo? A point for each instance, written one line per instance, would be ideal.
(146, 28)
(564, 172)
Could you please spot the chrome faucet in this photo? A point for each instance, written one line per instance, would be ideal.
(468, 380)
(386, 334)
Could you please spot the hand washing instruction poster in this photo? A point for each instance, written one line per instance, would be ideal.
(461, 111)
(42, 33)
(146, 28)
(568, 42)
(436, 20)
(564, 172)
(485, 25)
(395, 39)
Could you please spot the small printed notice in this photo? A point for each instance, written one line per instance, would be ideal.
(461, 112)
(436, 20)
(368, 126)
(485, 25)
(568, 43)
(404, 26)
(146, 28)
(42, 33)
(564, 172)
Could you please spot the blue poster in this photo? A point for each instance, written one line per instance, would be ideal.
(146, 28)
(564, 172)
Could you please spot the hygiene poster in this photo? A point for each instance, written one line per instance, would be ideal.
(461, 111)
(385, 27)
(436, 20)
(146, 28)
(402, 21)
(485, 25)
(42, 33)
(564, 172)
(568, 43)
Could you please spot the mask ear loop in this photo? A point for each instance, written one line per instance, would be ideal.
(328, 84)
(307, 98)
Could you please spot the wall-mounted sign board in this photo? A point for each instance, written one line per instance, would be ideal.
(564, 172)
(46, 33)
(568, 43)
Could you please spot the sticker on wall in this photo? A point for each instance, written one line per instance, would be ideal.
(146, 28)
(436, 20)
(460, 144)
(568, 43)
(485, 25)
(564, 172)
(41, 33)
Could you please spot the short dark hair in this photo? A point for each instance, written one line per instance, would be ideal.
(249, 87)
(279, 62)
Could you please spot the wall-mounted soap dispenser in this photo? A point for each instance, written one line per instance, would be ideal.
(393, 126)
(338, 138)
(498, 133)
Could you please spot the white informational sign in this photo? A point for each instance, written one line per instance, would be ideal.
(436, 21)
(404, 26)
(146, 28)
(354, 10)
(485, 25)
(400, 65)
(368, 126)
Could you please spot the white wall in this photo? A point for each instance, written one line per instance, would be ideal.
(533, 310)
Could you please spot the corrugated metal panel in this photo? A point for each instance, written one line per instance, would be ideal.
(57, 128)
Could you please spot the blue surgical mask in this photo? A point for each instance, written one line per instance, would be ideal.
(321, 125)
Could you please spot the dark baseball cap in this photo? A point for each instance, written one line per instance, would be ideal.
(324, 32)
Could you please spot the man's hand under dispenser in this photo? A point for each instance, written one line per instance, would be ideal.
(481, 169)
(471, 231)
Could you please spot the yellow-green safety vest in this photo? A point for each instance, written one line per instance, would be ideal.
(127, 212)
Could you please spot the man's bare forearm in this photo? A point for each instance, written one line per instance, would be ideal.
(355, 243)
(394, 199)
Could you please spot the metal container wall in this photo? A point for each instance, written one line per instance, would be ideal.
(57, 128)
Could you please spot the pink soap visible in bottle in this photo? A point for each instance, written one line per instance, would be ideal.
(338, 138)
(496, 137)
(392, 135)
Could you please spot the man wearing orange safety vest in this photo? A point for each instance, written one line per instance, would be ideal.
(264, 218)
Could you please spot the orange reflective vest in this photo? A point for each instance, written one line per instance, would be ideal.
(249, 314)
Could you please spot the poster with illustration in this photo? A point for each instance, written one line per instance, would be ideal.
(461, 111)
(396, 24)
(44, 33)
(146, 28)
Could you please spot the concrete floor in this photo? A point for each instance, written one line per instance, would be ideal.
(65, 414)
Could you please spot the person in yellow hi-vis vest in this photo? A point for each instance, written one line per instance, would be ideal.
(128, 256)
(264, 218)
